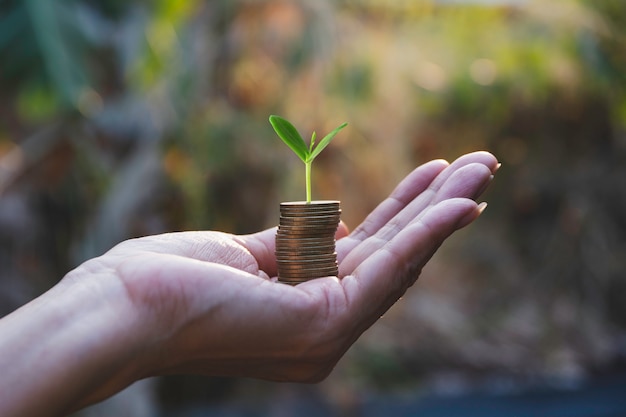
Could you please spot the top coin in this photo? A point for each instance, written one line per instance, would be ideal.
(313, 210)
(301, 206)
(317, 203)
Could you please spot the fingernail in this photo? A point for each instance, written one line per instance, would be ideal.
(471, 216)
(497, 167)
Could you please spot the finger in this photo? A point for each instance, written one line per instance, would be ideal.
(469, 181)
(384, 276)
(463, 183)
(342, 231)
(466, 182)
(262, 245)
(410, 187)
(423, 180)
(428, 177)
(479, 157)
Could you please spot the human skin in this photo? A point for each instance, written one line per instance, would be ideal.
(208, 302)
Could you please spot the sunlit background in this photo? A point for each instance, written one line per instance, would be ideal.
(124, 118)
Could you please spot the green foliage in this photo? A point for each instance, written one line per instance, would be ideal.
(40, 50)
(289, 134)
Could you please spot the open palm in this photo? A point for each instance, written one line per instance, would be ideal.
(212, 305)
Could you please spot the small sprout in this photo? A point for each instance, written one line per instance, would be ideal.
(289, 134)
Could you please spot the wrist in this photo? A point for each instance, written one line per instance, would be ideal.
(76, 344)
(110, 328)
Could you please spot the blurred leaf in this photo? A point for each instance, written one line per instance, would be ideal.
(36, 103)
(11, 25)
(60, 54)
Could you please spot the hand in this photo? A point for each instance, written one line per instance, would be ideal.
(207, 302)
(215, 311)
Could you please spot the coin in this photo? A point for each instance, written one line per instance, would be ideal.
(315, 268)
(299, 209)
(316, 220)
(317, 213)
(314, 205)
(301, 241)
(308, 275)
(305, 255)
(305, 241)
(289, 263)
(317, 273)
(305, 232)
(322, 228)
(305, 260)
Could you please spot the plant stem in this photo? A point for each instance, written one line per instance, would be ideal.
(308, 181)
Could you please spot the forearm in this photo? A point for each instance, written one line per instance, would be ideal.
(71, 346)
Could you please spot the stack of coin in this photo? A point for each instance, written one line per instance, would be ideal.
(305, 241)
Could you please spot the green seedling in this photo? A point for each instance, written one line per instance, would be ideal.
(289, 134)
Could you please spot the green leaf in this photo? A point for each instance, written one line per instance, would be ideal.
(289, 134)
(324, 142)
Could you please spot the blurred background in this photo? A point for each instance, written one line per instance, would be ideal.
(123, 118)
